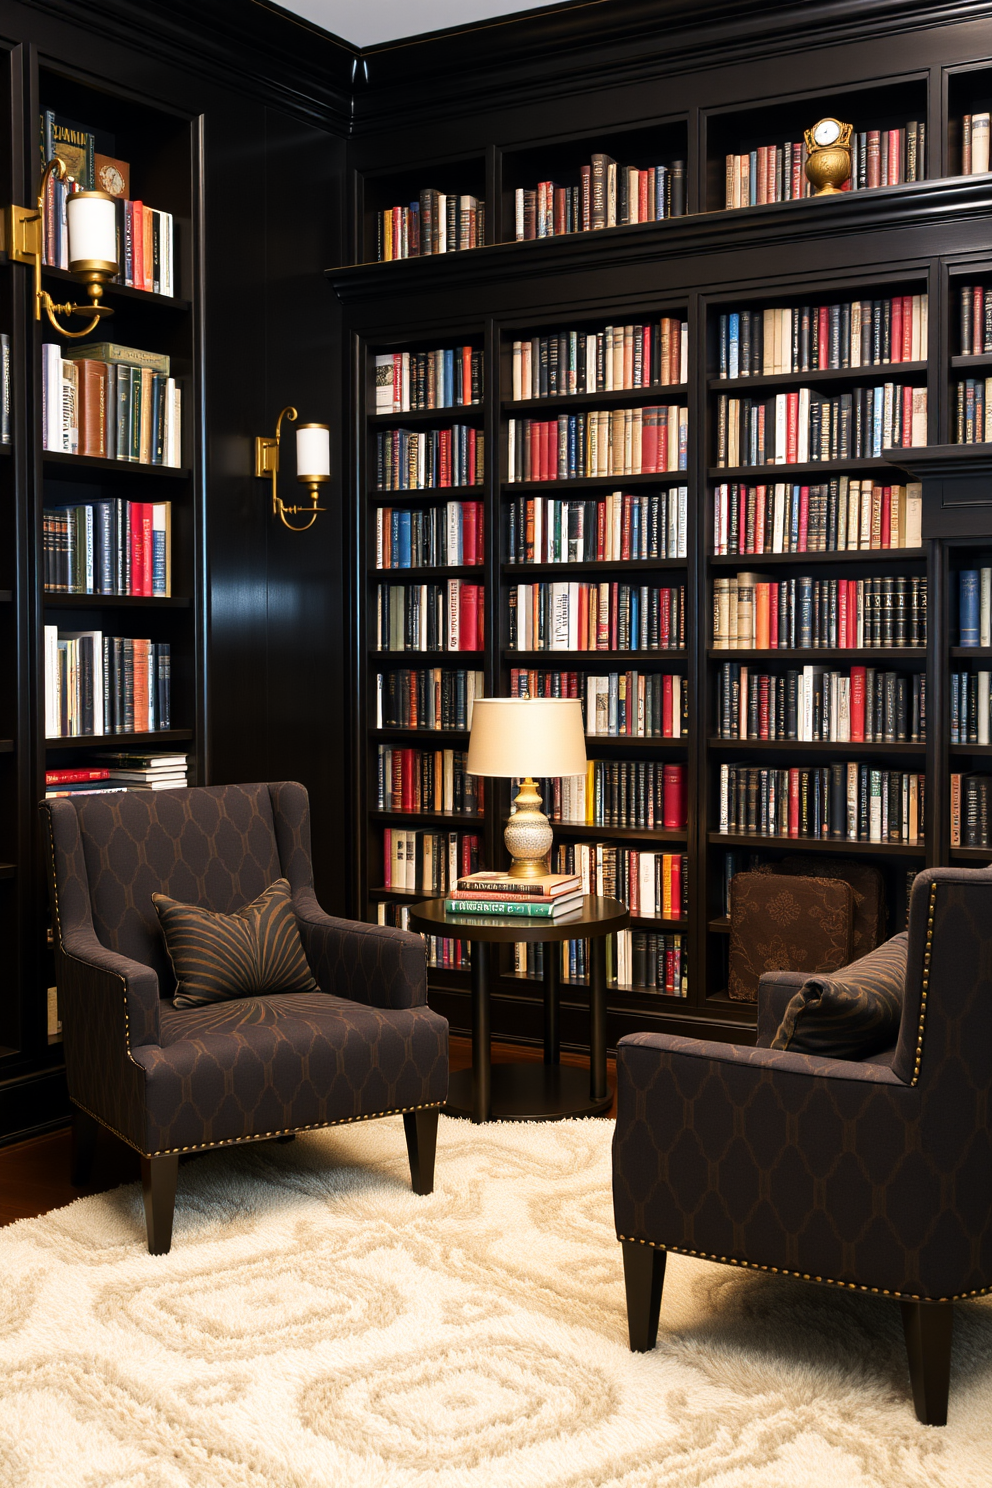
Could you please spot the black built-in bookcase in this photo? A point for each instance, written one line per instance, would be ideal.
(881, 72)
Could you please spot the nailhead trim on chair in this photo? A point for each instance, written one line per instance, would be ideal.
(260, 1136)
(847, 1286)
(923, 995)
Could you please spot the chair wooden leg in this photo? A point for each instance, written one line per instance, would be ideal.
(927, 1326)
(421, 1145)
(158, 1188)
(643, 1279)
(84, 1130)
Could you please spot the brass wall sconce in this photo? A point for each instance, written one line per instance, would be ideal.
(313, 466)
(92, 227)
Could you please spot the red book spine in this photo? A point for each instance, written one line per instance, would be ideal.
(136, 535)
(886, 516)
(842, 640)
(896, 337)
(649, 440)
(466, 618)
(584, 641)
(793, 803)
(666, 707)
(138, 246)
(874, 158)
(466, 374)
(445, 460)
(823, 358)
(408, 778)
(674, 797)
(907, 328)
(614, 616)
(760, 498)
(625, 527)
(73, 777)
(664, 620)
(646, 361)
(773, 617)
(907, 419)
(803, 518)
(479, 616)
(600, 530)
(528, 449)
(857, 704)
(147, 549)
(642, 196)
(661, 456)
(676, 879)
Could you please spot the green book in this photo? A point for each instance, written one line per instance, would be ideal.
(552, 910)
(124, 415)
(127, 356)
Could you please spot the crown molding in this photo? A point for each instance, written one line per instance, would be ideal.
(957, 200)
(595, 44)
(251, 45)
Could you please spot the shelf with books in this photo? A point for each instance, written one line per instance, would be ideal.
(969, 101)
(825, 653)
(854, 375)
(621, 398)
(769, 473)
(818, 746)
(86, 467)
(122, 292)
(88, 741)
(563, 829)
(114, 601)
(428, 818)
(592, 658)
(854, 556)
(841, 845)
(392, 201)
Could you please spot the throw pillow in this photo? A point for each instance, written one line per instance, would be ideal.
(851, 1013)
(218, 956)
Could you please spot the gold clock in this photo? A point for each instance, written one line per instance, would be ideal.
(828, 155)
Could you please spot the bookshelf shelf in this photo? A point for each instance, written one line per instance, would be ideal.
(880, 372)
(817, 844)
(118, 741)
(113, 602)
(462, 413)
(6, 746)
(970, 653)
(594, 483)
(634, 741)
(808, 746)
(85, 467)
(588, 658)
(863, 654)
(123, 292)
(843, 555)
(430, 494)
(426, 818)
(620, 834)
(982, 749)
(772, 473)
(444, 659)
(427, 575)
(590, 565)
(971, 854)
(973, 362)
(426, 736)
(670, 392)
(8, 870)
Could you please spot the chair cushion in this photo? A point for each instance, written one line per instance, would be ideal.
(259, 1065)
(786, 924)
(867, 886)
(216, 956)
(853, 1014)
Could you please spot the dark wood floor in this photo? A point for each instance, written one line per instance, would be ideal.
(34, 1175)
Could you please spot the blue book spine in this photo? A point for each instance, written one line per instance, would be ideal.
(753, 180)
(573, 447)
(804, 639)
(683, 438)
(794, 519)
(635, 529)
(877, 417)
(955, 707)
(724, 345)
(403, 536)
(158, 563)
(449, 379)
(968, 607)
(733, 344)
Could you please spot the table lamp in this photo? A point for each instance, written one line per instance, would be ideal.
(523, 738)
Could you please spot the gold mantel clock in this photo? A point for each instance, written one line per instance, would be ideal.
(828, 155)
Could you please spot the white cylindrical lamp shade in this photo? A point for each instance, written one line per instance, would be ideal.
(313, 452)
(92, 222)
(516, 737)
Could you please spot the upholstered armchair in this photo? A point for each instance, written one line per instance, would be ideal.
(170, 1080)
(870, 1174)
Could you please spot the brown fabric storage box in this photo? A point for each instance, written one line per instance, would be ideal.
(866, 881)
(782, 922)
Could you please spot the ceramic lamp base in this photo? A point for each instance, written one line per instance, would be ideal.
(528, 834)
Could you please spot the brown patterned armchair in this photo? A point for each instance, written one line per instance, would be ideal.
(169, 1081)
(871, 1175)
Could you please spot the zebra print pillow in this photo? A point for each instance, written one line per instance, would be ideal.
(218, 956)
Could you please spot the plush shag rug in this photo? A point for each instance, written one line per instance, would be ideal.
(318, 1325)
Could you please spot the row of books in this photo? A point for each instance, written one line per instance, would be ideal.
(423, 459)
(976, 319)
(443, 952)
(634, 705)
(406, 381)
(427, 780)
(111, 402)
(844, 514)
(596, 617)
(848, 799)
(973, 410)
(641, 794)
(975, 143)
(814, 705)
(110, 546)
(608, 195)
(430, 617)
(612, 441)
(974, 596)
(653, 885)
(971, 810)
(970, 707)
(810, 338)
(420, 861)
(806, 425)
(642, 355)
(438, 222)
(670, 966)
(426, 698)
(430, 536)
(101, 684)
(122, 771)
(542, 529)
(752, 613)
(774, 173)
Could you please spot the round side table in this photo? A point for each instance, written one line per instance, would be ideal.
(530, 1092)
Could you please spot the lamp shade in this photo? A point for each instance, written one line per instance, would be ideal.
(517, 737)
(313, 452)
(91, 217)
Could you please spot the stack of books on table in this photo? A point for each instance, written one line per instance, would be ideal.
(552, 896)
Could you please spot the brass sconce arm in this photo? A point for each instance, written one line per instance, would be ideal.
(24, 245)
(267, 464)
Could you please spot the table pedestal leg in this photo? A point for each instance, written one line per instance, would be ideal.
(481, 1065)
(597, 1018)
(552, 1032)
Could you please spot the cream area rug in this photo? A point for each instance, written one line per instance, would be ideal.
(317, 1325)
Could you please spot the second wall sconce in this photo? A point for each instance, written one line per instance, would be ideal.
(313, 466)
(91, 218)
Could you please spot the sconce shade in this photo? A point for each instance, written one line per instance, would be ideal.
(92, 223)
(313, 452)
(517, 737)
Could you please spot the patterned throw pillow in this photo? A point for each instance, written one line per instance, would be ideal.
(852, 1013)
(217, 956)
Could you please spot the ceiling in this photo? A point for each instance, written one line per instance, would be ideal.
(370, 22)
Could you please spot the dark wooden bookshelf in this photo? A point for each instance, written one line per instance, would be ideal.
(840, 555)
(113, 602)
(594, 483)
(669, 392)
(772, 474)
(592, 565)
(127, 742)
(878, 372)
(85, 467)
(821, 746)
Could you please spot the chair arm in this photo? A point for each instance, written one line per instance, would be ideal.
(90, 968)
(775, 991)
(374, 964)
(662, 1046)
